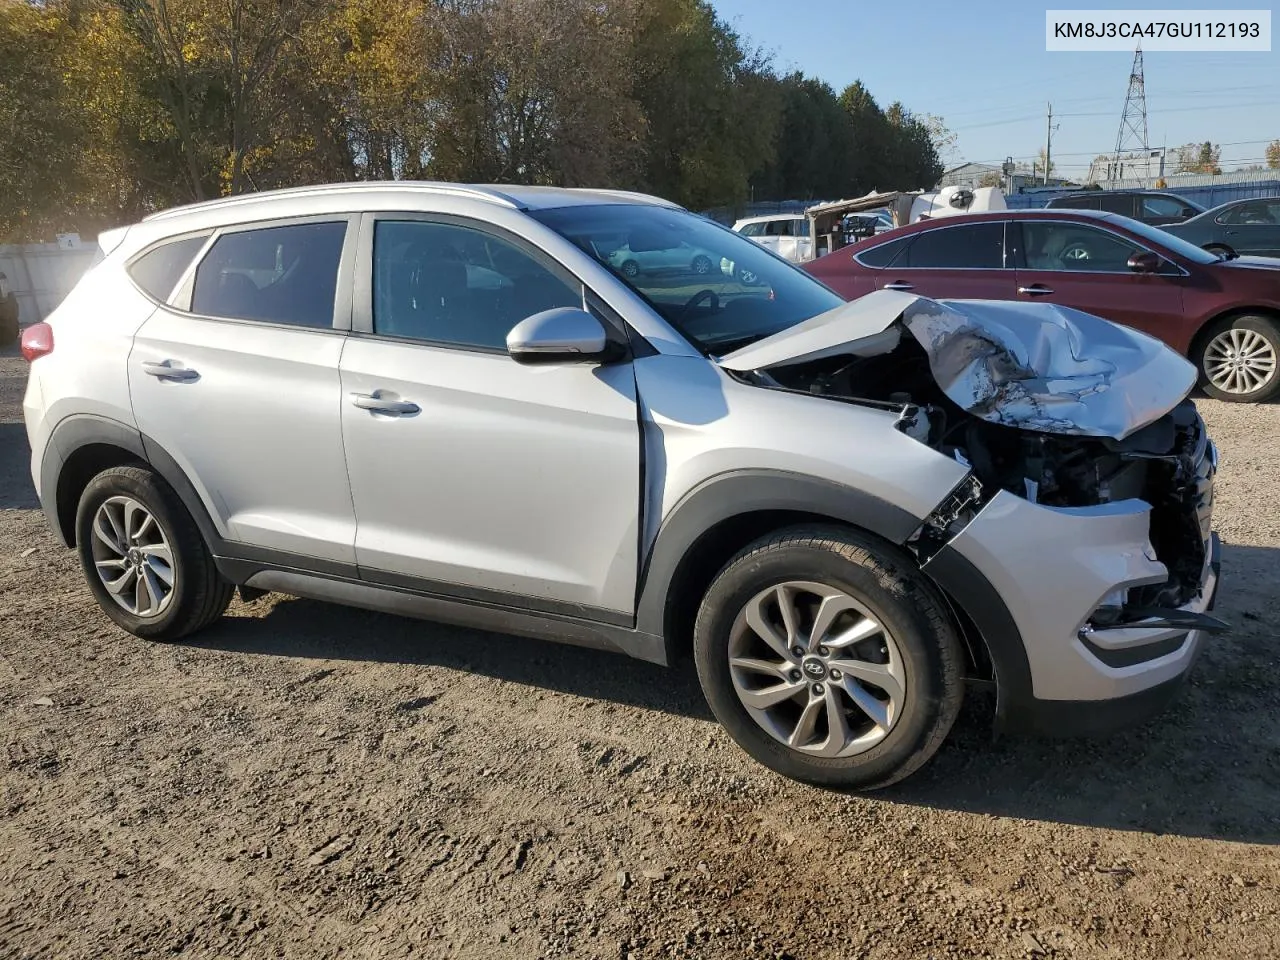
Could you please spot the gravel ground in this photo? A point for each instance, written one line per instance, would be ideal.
(305, 780)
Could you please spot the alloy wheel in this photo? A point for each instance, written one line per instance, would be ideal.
(132, 557)
(1240, 361)
(816, 670)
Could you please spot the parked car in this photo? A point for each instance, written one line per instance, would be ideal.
(787, 235)
(1222, 314)
(633, 259)
(1147, 206)
(1250, 227)
(829, 504)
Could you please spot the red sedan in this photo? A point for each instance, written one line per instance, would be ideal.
(1221, 313)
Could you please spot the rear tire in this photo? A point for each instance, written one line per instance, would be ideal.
(144, 558)
(1239, 359)
(631, 269)
(882, 680)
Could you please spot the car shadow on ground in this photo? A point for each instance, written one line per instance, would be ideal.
(16, 492)
(1209, 766)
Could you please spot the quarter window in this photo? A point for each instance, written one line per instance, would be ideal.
(882, 255)
(450, 284)
(275, 274)
(158, 271)
(1075, 246)
(974, 246)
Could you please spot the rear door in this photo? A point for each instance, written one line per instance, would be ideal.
(1161, 208)
(1252, 228)
(962, 261)
(236, 377)
(1085, 266)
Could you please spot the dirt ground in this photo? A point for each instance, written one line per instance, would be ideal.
(305, 780)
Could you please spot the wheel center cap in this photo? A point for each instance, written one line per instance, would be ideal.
(814, 668)
(134, 556)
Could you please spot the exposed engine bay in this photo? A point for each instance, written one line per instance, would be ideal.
(1165, 463)
(1059, 408)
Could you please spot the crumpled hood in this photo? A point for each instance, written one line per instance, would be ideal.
(1037, 366)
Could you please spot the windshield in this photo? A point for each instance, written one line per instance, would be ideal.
(719, 289)
(1183, 248)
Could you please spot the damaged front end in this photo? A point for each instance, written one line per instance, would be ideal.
(1054, 407)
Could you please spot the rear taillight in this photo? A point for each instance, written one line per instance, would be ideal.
(37, 341)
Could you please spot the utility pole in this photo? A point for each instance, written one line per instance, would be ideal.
(1048, 144)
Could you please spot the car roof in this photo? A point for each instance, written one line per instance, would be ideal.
(767, 218)
(1083, 216)
(1115, 193)
(513, 196)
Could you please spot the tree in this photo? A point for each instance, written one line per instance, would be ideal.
(1208, 157)
(992, 179)
(1273, 155)
(1045, 164)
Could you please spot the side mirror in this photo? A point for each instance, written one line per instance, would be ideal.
(560, 335)
(1144, 262)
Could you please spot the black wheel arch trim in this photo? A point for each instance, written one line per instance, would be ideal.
(967, 588)
(740, 492)
(82, 430)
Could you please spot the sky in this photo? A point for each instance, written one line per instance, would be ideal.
(981, 65)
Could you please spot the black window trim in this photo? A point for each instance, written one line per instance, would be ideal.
(207, 232)
(911, 240)
(340, 322)
(1020, 261)
(362, 293)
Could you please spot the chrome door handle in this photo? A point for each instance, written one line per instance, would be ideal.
(166, 370)
(394, 408)
(1035, 290)
(899, 285)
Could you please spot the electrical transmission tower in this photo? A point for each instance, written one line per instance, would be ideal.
(1132, 138)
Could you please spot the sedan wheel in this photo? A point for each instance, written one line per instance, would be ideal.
(816, 670)
(1241, 361)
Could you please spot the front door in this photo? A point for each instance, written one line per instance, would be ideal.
(1086, 267)
(962, 261)
(472, 474)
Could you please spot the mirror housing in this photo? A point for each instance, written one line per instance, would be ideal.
(560, 335)
(1144, 262)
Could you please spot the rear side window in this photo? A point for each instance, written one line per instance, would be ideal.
(276, 275)
(1160, 206)
(1117, 203)
(883, 255)
(974, 246)
(158, 271)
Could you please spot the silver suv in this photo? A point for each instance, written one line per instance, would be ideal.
(447, 401)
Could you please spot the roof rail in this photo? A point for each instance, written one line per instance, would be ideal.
(427, 186)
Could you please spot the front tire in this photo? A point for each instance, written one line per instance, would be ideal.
(1239, 359)
(701, 265)
(631, 269)
(144, 558)
(829, 658)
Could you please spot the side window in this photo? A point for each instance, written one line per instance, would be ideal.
(1158, 206)
(883, 255)
(450, 284)
(753, 230)
(799, 228)
(158, 271)
(1259, 211)
(778, 228)
(1121, 203)
(1077, 203)
(974, 246)
(1075, 246)
(275, 274)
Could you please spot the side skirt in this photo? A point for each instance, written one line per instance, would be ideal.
(445, 609)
